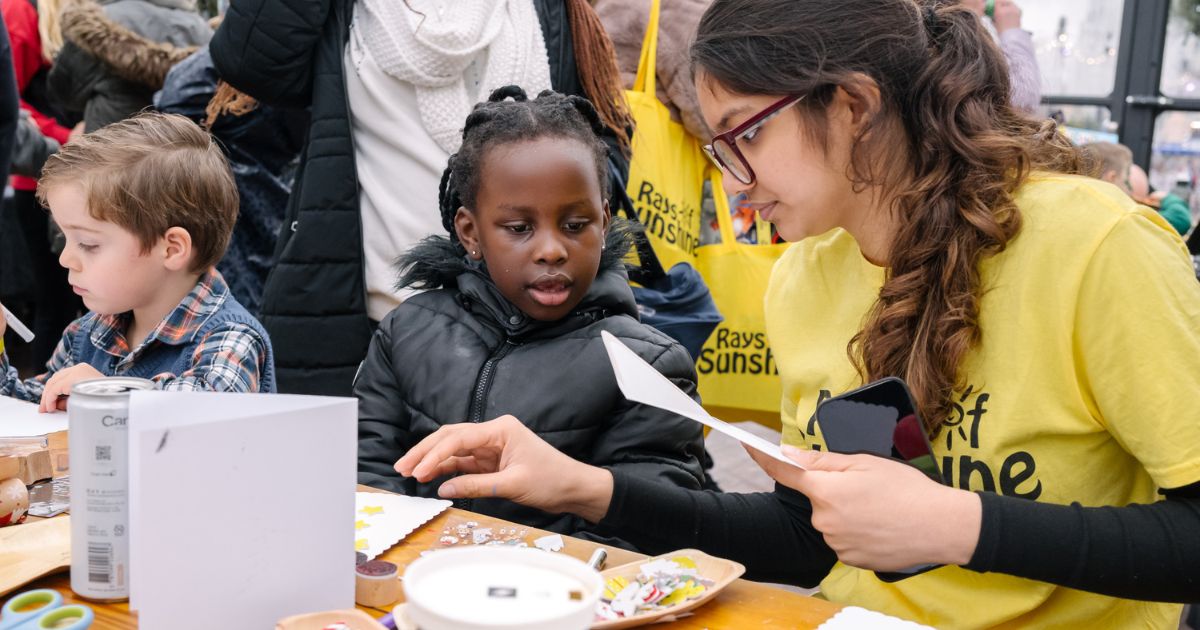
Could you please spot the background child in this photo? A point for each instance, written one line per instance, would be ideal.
(147, 206)
(529, 277)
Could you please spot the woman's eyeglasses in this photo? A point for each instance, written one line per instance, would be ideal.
(724, 150)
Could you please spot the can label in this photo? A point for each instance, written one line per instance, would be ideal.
(98, 441)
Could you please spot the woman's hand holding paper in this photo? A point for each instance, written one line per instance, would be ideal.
(881, 514)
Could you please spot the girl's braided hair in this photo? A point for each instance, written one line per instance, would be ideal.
(509, 116)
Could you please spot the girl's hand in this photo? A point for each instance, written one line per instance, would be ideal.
(503, 458)
(880, 514)
(60, 385)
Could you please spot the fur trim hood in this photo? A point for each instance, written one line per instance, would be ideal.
(127, 54)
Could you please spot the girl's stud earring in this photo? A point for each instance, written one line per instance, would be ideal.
(473, 252)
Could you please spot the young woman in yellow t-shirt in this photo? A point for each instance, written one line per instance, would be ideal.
(1048, 327)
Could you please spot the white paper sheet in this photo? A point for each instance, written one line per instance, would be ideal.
(855, 618)
(382, 520)
(241, 507)
(640, 382)
(21, 419)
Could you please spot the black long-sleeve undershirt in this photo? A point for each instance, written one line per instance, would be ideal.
(1149, 552)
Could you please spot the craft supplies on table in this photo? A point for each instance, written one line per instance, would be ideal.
(382, 519)
(43, 608)
(493, 587)
(376, 584)
(467, 533)
(50, 498)
(662, 588)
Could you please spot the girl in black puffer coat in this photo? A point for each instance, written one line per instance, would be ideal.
(529, 277)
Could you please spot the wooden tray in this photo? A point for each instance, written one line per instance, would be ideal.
(720, 571)
(32, 550)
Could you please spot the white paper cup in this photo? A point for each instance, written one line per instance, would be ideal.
(478, 588)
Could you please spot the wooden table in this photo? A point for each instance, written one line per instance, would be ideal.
(743, 604)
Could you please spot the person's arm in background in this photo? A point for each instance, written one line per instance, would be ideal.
(31, 148)
(1175, 210)
(265, 48)
(1023, 73)
(10, 104)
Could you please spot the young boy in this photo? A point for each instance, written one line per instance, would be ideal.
(147, 206)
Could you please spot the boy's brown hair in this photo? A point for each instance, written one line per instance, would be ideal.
(1107, 157)
(150, 173)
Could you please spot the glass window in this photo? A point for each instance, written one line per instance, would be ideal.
(1084, 123)
(1175, 163)
(1076, 43)
(1181, 56)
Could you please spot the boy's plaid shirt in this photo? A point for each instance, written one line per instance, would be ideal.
(229, 359)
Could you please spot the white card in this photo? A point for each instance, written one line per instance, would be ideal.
(241, 507)
(855, 618)
(382, 520)
(640, 382)
(21, 419)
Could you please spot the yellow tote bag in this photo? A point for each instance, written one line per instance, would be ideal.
(667, 168)
(737, 367)
(667, 172)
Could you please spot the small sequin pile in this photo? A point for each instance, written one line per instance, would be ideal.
(470, 533)
(661, 583)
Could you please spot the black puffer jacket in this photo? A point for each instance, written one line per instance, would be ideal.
(465, 354)
(289, 53)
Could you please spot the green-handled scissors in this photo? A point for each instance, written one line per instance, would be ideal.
(44, 609)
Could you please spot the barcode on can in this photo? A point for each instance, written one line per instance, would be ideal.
(104, 453)
(100, 557)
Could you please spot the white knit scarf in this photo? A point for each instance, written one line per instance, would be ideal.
(433, 52)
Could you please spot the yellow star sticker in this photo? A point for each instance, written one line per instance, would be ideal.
(360, 525)
(371, 510)
(360, 544)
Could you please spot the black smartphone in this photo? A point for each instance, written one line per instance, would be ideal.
(880, 419)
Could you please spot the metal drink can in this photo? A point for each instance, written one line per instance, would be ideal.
(98, 444)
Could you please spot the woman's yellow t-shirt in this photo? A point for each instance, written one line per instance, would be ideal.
(1084, 387)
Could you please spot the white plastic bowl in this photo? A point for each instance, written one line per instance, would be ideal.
(485, 588)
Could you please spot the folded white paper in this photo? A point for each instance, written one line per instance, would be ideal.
(21, 419)
(640, 382)
(241, 507)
